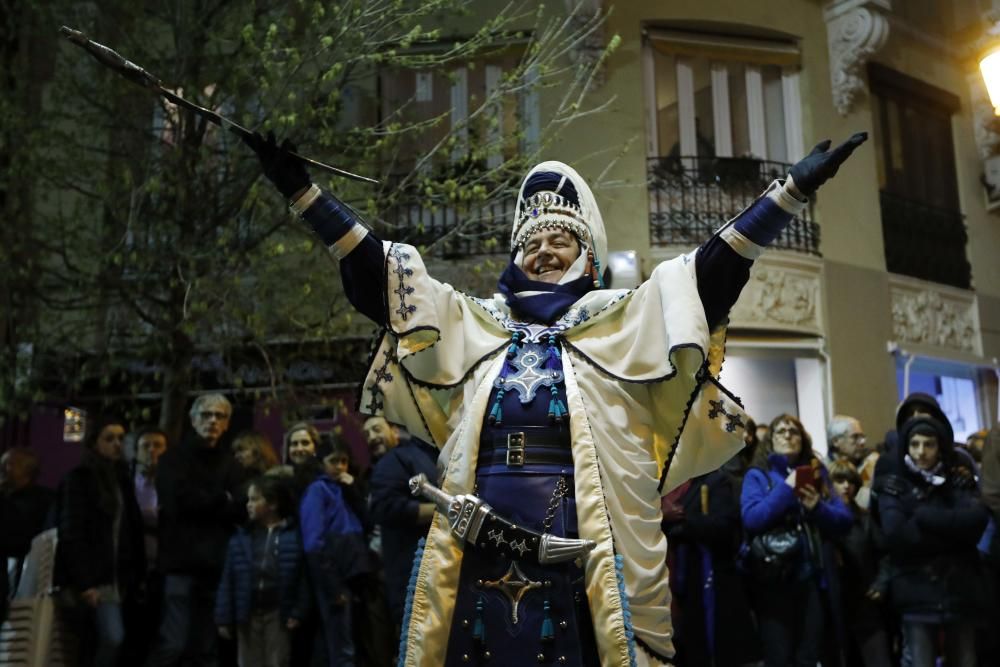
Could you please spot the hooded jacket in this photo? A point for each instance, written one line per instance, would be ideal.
(931, 529)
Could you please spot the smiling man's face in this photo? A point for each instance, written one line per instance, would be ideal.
(548, 254)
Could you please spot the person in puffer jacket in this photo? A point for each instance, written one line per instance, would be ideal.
(263, 591)
(337, 559)
(932, 519)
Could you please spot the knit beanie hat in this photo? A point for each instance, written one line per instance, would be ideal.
(924, 425)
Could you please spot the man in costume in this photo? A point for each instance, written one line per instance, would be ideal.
(563, 411)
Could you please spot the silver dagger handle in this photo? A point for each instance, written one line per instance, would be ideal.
(419, 486)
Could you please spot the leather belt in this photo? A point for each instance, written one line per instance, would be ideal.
(526, 447)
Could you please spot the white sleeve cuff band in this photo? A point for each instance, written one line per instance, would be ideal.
(743, 246)
(348, 241)
(300, 205)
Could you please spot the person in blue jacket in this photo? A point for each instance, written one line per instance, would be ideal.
(792, 589)
(263, 591)
(932, 519)
(336, 551)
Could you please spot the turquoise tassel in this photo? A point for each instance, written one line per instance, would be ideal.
(479, 628)
(599, 283)
(557, 409)
(496, 414)
(548, 630)
(515, 341)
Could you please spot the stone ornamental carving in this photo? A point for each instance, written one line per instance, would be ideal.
(933, 318)
(779, 298)
(855, 30)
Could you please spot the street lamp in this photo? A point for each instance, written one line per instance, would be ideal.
(989, 67)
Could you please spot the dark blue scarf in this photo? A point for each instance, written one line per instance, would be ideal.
(545, 308)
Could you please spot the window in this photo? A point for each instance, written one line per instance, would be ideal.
(922, 223)
(723, 120)
(446, 107)
(722, 96)
(445, 99)
(957, 388)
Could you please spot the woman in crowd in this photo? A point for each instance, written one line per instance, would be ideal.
(303, 456)
(864, 575)
(933, 519)
(790, 516)
(100, 555)
(302, 464)
(253, 451)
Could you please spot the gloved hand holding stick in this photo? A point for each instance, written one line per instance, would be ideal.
(136, 74)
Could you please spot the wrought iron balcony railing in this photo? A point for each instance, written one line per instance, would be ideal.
(459, 231)
(924, 242)
(691, 197)
(455, 229)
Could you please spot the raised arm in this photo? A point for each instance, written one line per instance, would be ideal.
(362, 263)
(723, 262)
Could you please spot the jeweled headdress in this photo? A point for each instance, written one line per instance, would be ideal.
(548, 209)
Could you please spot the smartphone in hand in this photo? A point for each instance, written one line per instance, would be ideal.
(805, 476)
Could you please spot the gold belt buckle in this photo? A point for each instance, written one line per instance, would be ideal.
(515, 449)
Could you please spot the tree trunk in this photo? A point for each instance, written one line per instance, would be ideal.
(176, 385)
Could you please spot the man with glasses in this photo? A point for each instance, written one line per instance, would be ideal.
(845, 439)
(198, 487)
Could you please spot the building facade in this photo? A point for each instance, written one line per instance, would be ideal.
(889, 282)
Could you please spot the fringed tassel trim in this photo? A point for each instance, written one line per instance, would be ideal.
(626, 612)
(411, 588)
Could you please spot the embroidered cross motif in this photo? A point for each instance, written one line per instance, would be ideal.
(403, 290)
(497, 536)
(382, 376)
(733, 420)
(375, 405)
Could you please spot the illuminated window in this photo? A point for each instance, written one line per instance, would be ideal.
(74, 424)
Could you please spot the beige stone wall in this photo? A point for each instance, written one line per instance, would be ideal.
(610, 150)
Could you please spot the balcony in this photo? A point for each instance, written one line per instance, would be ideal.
(691, 197)
(457, 229)
(924, 242)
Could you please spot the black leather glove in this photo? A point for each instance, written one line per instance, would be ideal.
(821, 164)
(288, 173)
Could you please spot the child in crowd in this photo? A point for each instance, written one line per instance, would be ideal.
(864, 575)
(336, 553)
(263, 591)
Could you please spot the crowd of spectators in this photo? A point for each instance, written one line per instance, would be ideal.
(214, 552)
(874, 556)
